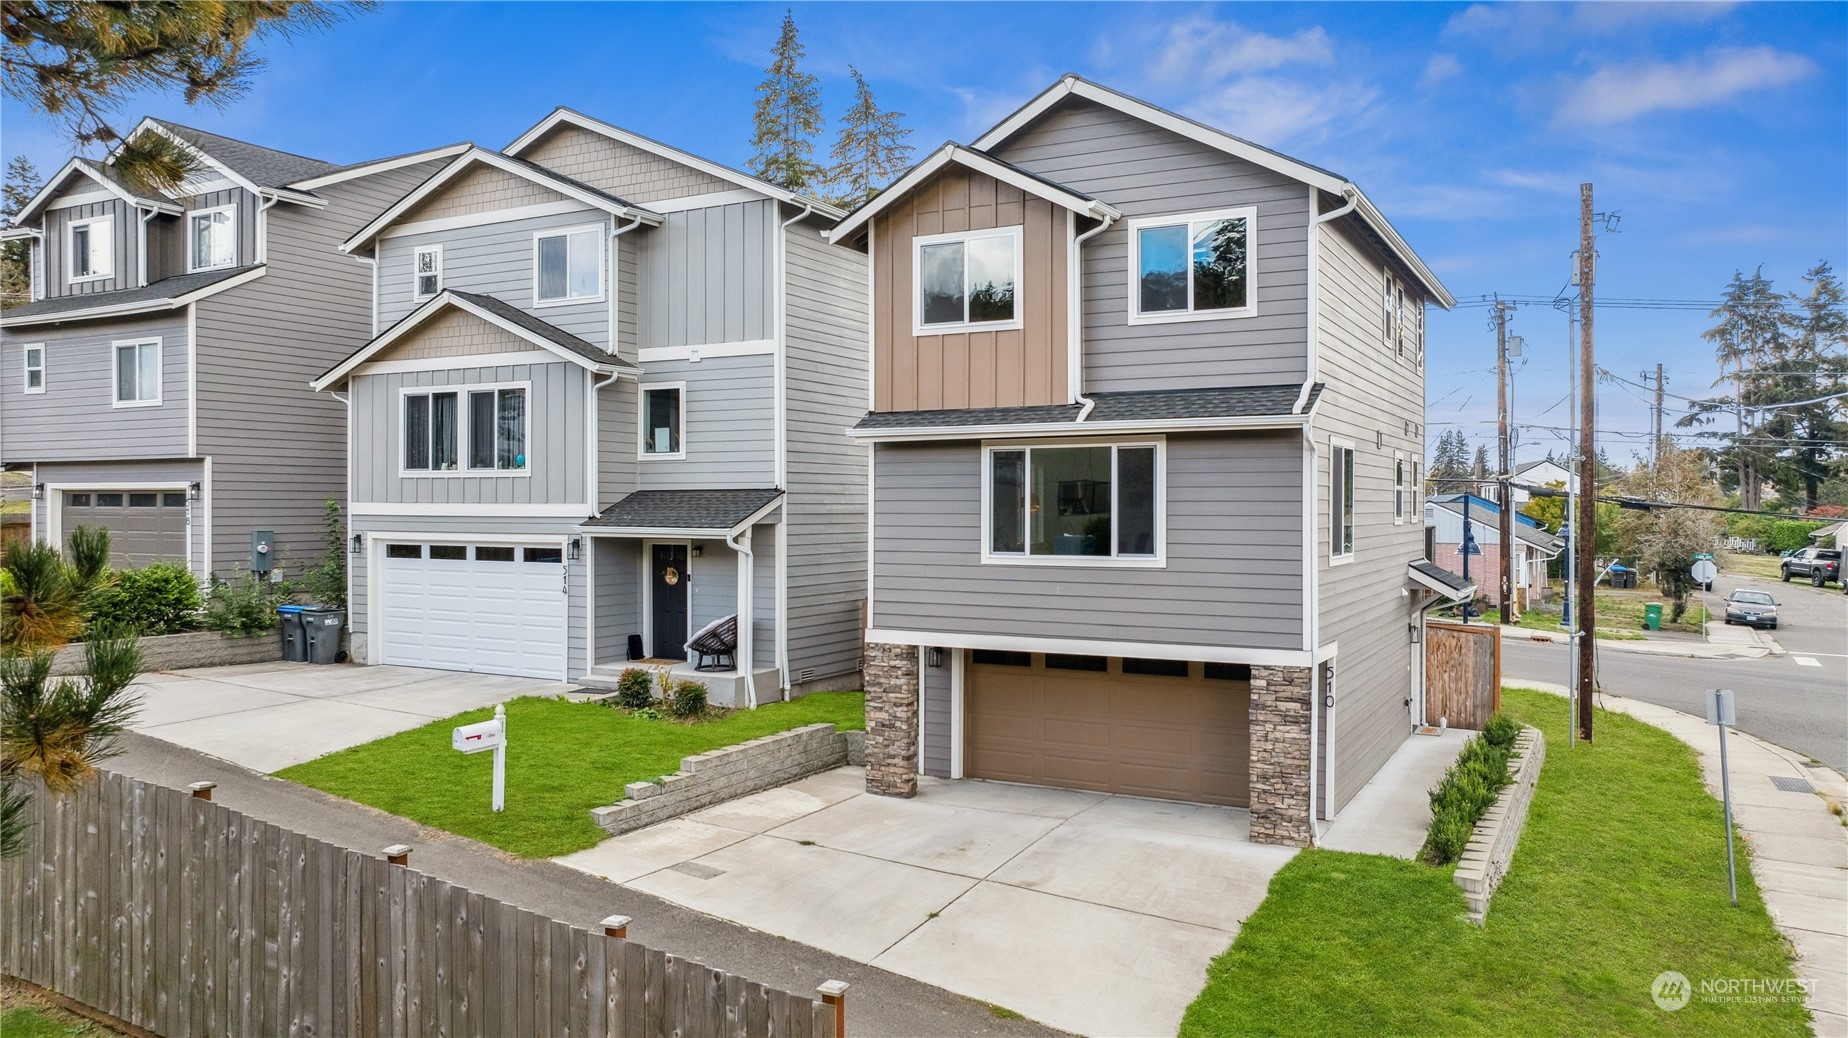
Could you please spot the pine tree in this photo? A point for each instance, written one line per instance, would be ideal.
(787, 117)
(1813, 432)
(1749, 339)
(1450, 463)
(870, 151)
(1479, 469)
(22, 182)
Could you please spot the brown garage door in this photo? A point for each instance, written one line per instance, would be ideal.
(1070, 724)
(144, 525)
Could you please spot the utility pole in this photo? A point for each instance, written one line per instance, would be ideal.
(1655, 443)
(1505, 526)
(1585, 524)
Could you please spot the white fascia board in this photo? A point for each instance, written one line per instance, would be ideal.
(981, 164)
(1063, 429)
(83, 166)
(1379, 223)
(143, 307)
(150, 125)
(562, 116)
(368, 169)
(477, 155)
(1088, 647)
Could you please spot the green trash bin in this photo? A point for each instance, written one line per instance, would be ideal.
(1652, 616)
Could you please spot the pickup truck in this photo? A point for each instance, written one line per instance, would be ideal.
(1820, 565)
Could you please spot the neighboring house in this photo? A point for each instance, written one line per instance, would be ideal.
(156, 384)
(1533, 548)
(1542, 473)
(1827, 536)
(1146, 416)
(605, 409)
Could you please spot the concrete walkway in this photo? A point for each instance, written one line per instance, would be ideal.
(1392, 813)
(1722, 642)
(1799, 848)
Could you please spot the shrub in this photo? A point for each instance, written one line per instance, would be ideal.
(40, 610)
(89, 557)
(244, 609)
(326, 581)
(688, 700)
(1501, 732)
(1466, 793)
(159, 598)
(635, 689)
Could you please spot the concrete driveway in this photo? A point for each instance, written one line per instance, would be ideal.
(1093, 913)
(267, 716)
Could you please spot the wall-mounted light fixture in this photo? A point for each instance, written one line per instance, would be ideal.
(574, 548)
(193, 490)
(1415, 631)
(935, 656)
(697, 551)
(38, 491)
(358, 543)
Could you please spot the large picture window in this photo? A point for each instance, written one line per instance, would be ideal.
(137, 373)
(1074, 503)
(568, 265)
(1191, 266)
(212, 241)
(968, 280)
(1341, 502)
(495, 432)
(91, 255)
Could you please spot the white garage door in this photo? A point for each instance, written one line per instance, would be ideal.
(494, 609)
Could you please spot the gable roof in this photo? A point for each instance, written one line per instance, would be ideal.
(263, 167)
(503, 315)
(165, 294)
(982, 162)
(479, 156)
(386, 164)
(1071, 85)
(562, 116)
(1528, 466)
(103, 176)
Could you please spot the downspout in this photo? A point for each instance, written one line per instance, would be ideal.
(1312, 622)
(1352, 194)
(780, 390)
(346, 399)
(269, 202)
(141, 245)
(373, 262)
(1074, 318)
(747, 578)
(616, 279)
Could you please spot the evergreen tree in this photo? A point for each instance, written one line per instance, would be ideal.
(1748, 339)
(870, 151)
(22, 182)
(1449, 463)
(1813, 433)
(787, 117)
(1480, 468)
(78, 61)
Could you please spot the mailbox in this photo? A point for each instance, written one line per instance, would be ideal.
(473, 738)
(262, 551)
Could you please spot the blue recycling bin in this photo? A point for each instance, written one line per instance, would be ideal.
(294, 638)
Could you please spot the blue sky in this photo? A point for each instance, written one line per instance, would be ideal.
(1719, 131)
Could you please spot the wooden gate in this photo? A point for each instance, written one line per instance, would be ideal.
(1462, 673)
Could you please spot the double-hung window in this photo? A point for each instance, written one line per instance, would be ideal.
(137, 373)
(212, 238)
(663, 421)
(568, 265)
(35, 368)
(1341, 502)
(427, 272)
(91, 257)
(967, 281)
(1075, 504)
(1192, 266)
(495, 435)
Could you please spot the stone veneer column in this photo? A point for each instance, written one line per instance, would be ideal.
(891, 719)
(1280, 753)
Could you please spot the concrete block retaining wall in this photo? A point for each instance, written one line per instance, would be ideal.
(184, 651)
(726, 774)
(1491, 847)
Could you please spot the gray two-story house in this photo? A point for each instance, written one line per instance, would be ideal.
(1146, 406)
(155, 383)
(603, 410)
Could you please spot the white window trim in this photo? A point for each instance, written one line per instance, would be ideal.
(641, 422)
(1401, 504)
(115, 372)
(600, 231)
(1337, 444)
(25, 378)
(192, 259)
(1250, 309)
(1157, 561)
(462, 469)
(70, 249)
(918, 327)
(419, 296)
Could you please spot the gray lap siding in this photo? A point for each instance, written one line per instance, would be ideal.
(75, 418)
(1233, 573)
(172, 475)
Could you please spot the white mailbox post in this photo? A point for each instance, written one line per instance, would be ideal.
(1722, 714)
(487, 735)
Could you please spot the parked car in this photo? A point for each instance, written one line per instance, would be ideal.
(1751, 608)
(1820, 565)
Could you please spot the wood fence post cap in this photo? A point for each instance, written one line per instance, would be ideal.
(615, 922)
(833, 988)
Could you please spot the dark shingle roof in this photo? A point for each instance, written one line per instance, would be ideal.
(1443, 576)
(683, 509)
(551, 333)
(264, 167)
(1152, 405)
(166, 288)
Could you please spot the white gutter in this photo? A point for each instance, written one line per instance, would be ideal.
(747, 575)
(269, 199)
(780, 389)
(615, 279)
(592, 492)
(1352, 194)
(346, 399)
(1312, 619)
(1074, 319)
(141, 245)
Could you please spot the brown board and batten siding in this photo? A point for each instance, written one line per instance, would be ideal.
(1012, 368)
(1234, 548)
(620, 168)
(1372, 396)
(1144, 170)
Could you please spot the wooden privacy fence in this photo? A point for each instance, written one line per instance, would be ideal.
(183, 917)
(1462, 673)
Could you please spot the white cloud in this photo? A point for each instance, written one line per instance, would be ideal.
(1546, 24)
(1199, 47)
(1616, 94)
(1440, 68)
(1272, 111)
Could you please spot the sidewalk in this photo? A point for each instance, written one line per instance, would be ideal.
(1799, 849)
(1722, 643)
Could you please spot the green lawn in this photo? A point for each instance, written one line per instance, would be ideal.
(33, 1022)
(1544, 619)
(1620, 875)
(1764, 567)
(562, 760)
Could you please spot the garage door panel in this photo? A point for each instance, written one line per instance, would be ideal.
(492, 617)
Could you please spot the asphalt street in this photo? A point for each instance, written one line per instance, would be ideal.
(1798, 700)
